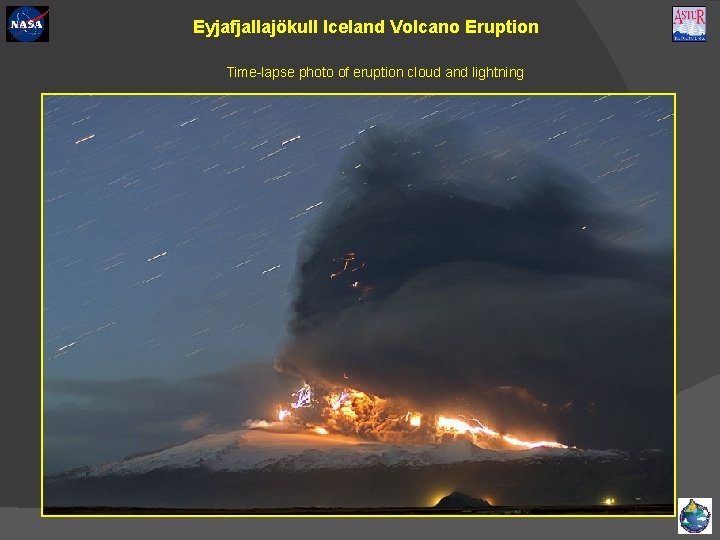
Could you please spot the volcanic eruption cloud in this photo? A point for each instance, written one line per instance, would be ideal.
(493, 284)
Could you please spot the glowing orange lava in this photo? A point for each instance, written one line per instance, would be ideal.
(414, 419)
(352, 411)
(460, 426)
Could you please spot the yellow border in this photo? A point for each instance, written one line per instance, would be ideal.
(675, 497)
(441, 516)
(42, 301)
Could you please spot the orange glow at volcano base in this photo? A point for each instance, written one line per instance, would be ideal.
(356, 413)
(460, 426)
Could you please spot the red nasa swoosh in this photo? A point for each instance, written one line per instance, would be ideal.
(41, 16)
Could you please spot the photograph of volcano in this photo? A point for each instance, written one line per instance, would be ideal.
(358, 305)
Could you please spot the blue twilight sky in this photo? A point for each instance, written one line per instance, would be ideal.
(172, 224)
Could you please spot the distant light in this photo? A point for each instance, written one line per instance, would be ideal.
(609, 501)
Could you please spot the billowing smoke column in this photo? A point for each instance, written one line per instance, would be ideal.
(488, 284)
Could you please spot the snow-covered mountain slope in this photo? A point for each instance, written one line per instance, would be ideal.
(250, 449)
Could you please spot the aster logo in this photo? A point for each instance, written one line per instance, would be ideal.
(689, 23)
(26, 24)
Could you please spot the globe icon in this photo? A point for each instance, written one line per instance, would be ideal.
(26, 24)
(694, 517)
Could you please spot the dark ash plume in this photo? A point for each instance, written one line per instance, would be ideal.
(488, 285)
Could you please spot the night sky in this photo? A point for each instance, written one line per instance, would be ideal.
(173, 228)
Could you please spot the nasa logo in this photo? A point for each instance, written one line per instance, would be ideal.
(27, 24)
(689, 23)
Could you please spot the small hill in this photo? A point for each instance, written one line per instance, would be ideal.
(461, 500)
